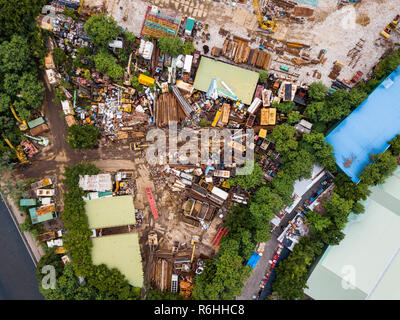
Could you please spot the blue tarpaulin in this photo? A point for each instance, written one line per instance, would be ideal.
(253, 260)
(368, 128)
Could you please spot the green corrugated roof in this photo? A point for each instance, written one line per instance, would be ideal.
(369, 253)
(110, 212)
(36, 122)
(121, 252)
(241, 81)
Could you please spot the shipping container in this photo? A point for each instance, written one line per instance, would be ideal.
(39, 130)
(145, 80)
(37, 122)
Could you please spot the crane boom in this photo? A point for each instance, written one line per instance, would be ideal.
(270, 26)
(22, 123)
(18, 151)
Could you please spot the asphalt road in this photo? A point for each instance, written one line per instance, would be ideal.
(17, 271)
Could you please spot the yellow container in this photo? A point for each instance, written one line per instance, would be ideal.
(145, 80)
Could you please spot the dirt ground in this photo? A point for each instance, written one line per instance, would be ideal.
(111, 157)
(336, 31)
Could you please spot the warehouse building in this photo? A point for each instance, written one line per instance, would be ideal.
(365, 264)
(368, 128)
(240, 81)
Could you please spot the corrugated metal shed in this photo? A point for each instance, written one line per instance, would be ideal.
(99, 182)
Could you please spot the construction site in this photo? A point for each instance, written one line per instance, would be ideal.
(300, 32)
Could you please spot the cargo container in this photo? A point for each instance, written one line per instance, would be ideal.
(188, 63)
(284, 68)
(39, 129)
(27, 202)
(222, 173)
(45, 192)
(189, 26)
(145, 80)
(37, 122)
(254, 105)
(42, 183)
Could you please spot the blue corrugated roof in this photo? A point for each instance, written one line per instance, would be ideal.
(368, 128)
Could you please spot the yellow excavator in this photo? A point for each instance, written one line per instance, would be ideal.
(269, 26)
(18, 151)
(138, 147)
(22, 123)
(195, 239)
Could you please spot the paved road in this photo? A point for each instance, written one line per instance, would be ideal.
(17, 271)
(252, 285)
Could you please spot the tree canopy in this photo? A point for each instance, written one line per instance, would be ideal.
(82, 136)
(171, 46)
(106, 64)
(102, 29)
(382, 166)
(284, 107)
(247, 182)
(317, 91)
(263, 76)
(284, 138)
(18, 16)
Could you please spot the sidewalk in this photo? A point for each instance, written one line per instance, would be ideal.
(35, 250)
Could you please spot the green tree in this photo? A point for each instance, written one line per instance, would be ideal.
(129, 38)
(14, 55)
(82, 136)
(338, 209)
(382, 166)
(284, 107)
(263, 76)
(395, 145)
(358, 208)
(317, 222)
(171, 46)
(105, 63)
(315, 109)
(70, 13)
(247, 182)
(315, 144)
(50, 258)
(317, 91)
(31, 90)
(298, 164)
(102, 29)
(59, 56)
(135, 83)
(223, 277)
(18, 16)
(265, 203)
(284, 138)
(294, 117)
(349, 190)
(188, 47)
(283, 185)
